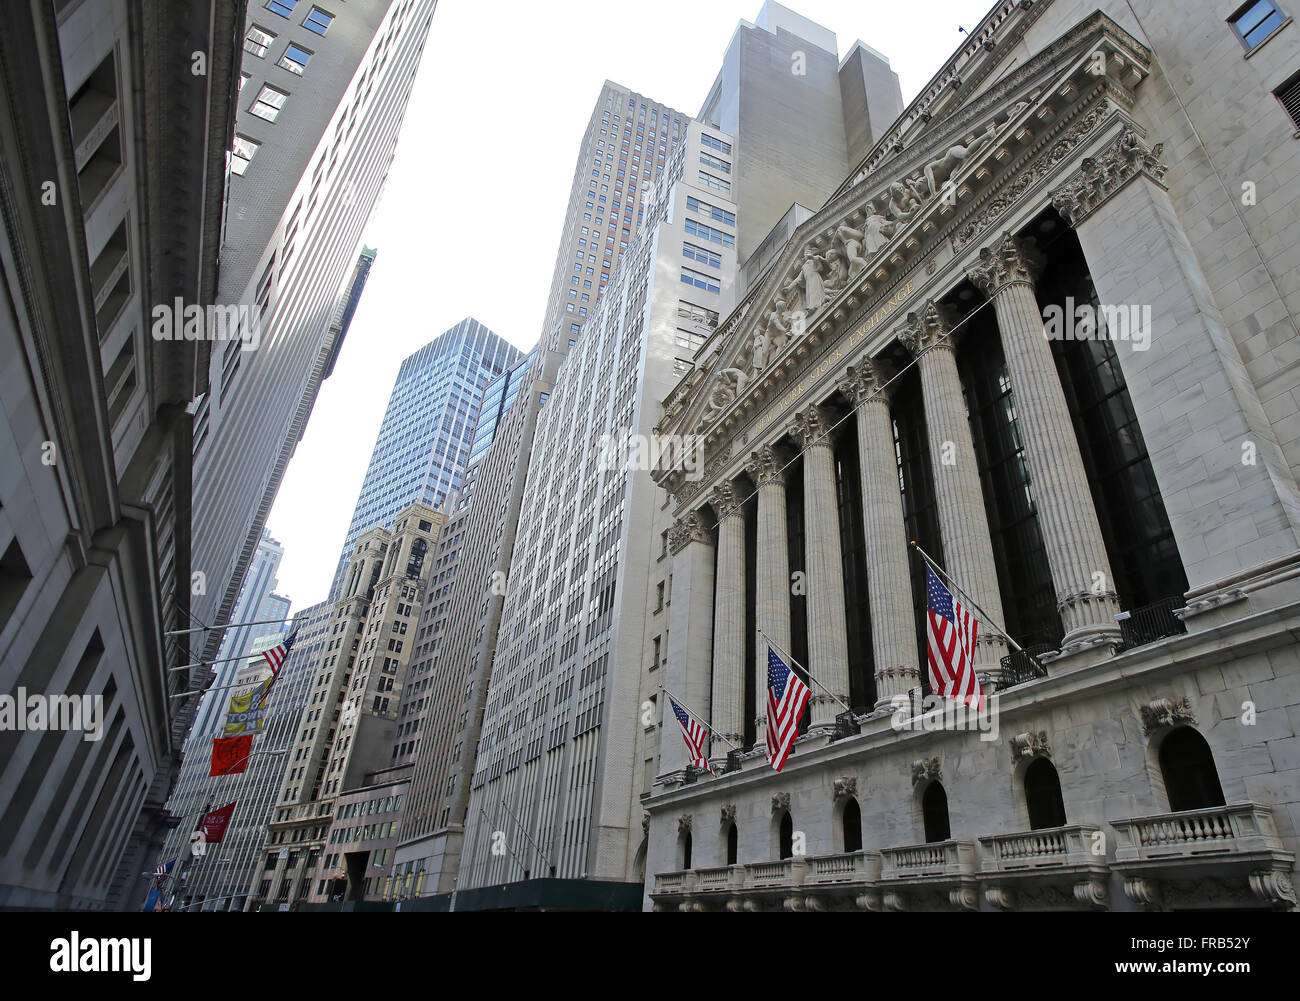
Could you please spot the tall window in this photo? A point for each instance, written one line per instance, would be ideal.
(1187, 766)
(920, 511)
(852, 826)
(1134, 524)
(794, 511)
(242, 154)
(853, 550)
(1025, 579)
(732, 843)
(934, 813)
(1043, 795)
(785, 836)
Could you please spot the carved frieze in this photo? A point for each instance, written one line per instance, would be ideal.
(1101, 176)
(1165, 712)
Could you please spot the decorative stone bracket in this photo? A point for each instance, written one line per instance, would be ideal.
(1165, 712)
(926, 768)
(1029, 745)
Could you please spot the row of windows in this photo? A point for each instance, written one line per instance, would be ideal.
(704, 208)
(700, 254)
(713, 143)
(706, 282)
(316, 20)
(704, 232)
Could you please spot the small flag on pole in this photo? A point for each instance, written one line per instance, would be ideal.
(230, 754)
(950, 645)
(161, 872)
(693, 733)
(276, 657)
(786, 698)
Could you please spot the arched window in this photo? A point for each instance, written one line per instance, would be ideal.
(934, 810)
(787, 836)
(686, 849)
(1043, 795)
(1187, 764)
(852, 826)
(732, 843)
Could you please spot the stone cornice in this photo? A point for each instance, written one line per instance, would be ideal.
(689, 528)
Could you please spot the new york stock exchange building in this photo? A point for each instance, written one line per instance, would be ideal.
(1047, 332)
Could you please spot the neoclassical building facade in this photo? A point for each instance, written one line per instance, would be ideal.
(1046, 332)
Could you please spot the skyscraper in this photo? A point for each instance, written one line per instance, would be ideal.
(623, 153)
(345, 729)
(320, 110)
(561, 742)
(424, 440)
(112, 159)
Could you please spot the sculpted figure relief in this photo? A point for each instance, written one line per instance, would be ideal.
(810, 273)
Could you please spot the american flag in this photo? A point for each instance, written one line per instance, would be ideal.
(161, 872)
(786, 698)
(276, 657)
(950, 645)
(693, 733)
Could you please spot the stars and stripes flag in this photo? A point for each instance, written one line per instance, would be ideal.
(786, 698)
(950, 645)
(161, 872)
(276, 657)
(693, 732)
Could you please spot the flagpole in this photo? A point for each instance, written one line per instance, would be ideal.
(971, 601)
(699, 718)
(781, 649)
(228, 625)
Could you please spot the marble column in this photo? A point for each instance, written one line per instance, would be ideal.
(690, 634)
(1076, 552)
(728, 624)
(772, 572)
(828, 637)
(963, 523)
(893, 630)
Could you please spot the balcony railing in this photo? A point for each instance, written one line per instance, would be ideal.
(942, 858)
(1050, 848)
(1237, 829)
(1020, 666)
(1150, 623)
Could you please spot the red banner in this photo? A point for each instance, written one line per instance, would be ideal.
(230, 754)
(214, 824)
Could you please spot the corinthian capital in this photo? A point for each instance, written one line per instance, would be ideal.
(1011, 259)
(688, 528)
(812, 427)
(925, 328)
(864, 381)
(765, 465)
(725, 499)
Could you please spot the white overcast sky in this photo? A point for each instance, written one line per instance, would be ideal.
(470, 221)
